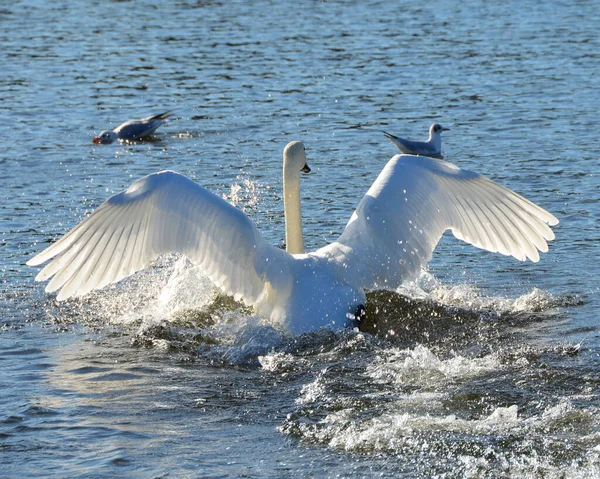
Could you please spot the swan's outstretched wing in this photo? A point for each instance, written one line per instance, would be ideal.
(398, 223)
(162, 213)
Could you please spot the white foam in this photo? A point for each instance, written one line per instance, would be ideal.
(186, 288)
(243, 339)
(152, 296)
(280, 362)
(313, 392)
(415, 423)
(393, 429)
(423, 366)
(470, 297)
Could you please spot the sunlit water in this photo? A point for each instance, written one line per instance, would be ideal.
(487, 367)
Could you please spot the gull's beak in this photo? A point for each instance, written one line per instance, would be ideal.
(445, 129)
(96, 140)
(305, 168)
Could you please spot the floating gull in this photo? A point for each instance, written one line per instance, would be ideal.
(432, 147)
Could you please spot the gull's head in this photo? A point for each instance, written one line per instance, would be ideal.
(436, 129)
(294, 157)
(105, 137)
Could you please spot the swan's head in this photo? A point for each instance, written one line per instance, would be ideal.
(294, 157)
(436, 129)
(105, 137)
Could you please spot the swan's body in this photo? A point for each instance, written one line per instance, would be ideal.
(387, 241)
(432, 147)
(132, 130)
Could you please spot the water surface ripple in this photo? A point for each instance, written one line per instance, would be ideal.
(486, 368)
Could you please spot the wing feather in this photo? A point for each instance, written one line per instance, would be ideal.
(162, 213)
(70, 259)
(504, 237)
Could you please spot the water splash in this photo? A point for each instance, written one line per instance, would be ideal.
(244, 342)
(415, 415)
(420, 365)
(470, 297)
(245, 194)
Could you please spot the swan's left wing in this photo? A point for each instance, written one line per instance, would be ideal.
(396, 226)
(163, 213)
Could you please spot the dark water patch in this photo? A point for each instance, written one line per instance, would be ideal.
(120, 461)
(115, 376)
(19, 350)
(37, 410)
(408, 321)
(13, 419)
(89, 370)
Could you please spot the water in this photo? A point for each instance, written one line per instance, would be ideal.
(487, 368)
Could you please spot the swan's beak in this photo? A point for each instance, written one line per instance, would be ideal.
(96, 140)
(305, 168)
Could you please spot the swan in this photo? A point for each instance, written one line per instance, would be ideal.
(132, 130)
(390, 236)
(432, 147)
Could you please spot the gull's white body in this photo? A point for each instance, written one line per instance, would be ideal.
(432, 147)
(132, 130)
(387, 241)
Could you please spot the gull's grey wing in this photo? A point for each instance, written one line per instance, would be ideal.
(160, 116)
(409, 147)
(136, 129)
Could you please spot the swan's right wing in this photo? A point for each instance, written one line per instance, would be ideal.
(162, 213)
(396, 226)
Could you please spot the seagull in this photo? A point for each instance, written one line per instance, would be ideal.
(389, 239)
(132, 130)
(432, 147)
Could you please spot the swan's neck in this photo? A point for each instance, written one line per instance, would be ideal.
(291, 206)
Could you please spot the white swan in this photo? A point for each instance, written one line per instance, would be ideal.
(387, 241)
(432, 147)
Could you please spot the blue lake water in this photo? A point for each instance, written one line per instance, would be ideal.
(488, 367)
